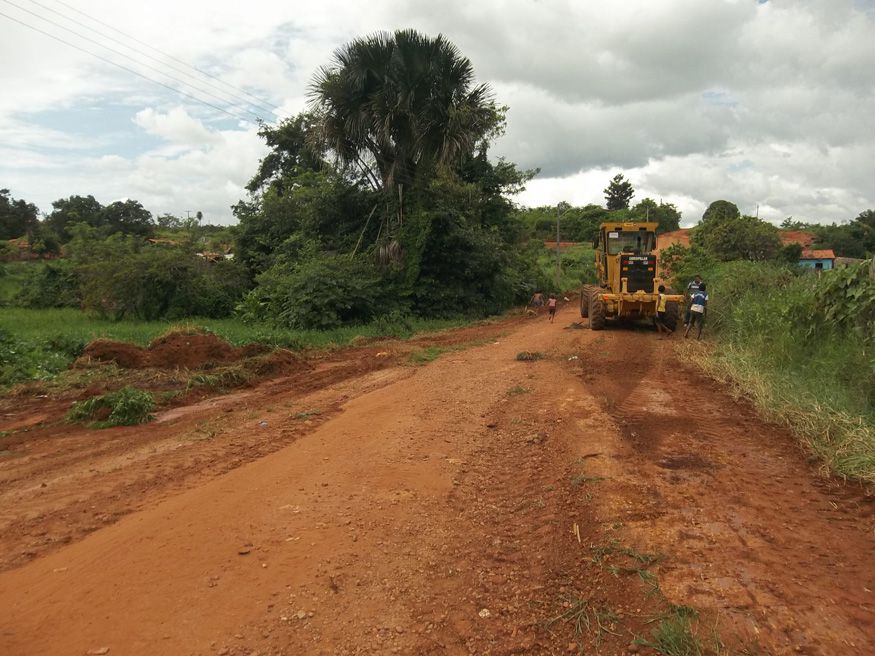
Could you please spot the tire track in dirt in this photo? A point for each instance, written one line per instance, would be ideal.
(388, 529)
(60, 482)
(537, 491)
(785, 559)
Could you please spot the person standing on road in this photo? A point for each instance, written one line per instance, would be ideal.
(661, 325)
(551, 307)
(693, 287)
(537, 300)
(698, 303)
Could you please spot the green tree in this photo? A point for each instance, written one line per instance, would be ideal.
(18, 218)
(294, 149)
(75, 209)
(618, 193)
(169, 222)
(394, 103)
(319, 208)
(665, 214)
(720, 210)
(128, 217)
(792, 224)
(790, 253)
(864, 225)
(157, 282)
(738, 238)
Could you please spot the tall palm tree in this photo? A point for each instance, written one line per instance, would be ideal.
(398, 103)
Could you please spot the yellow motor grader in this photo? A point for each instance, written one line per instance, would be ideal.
(628, 277)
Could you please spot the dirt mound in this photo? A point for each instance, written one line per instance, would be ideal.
(180, 349)
(173, 350)
(129, 356)
(280, 361)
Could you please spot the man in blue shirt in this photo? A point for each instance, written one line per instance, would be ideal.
(694, 285)
(696, 308)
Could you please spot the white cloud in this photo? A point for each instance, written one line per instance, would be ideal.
(770, 103)
(175, 126)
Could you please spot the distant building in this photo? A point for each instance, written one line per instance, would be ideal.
(822, 260)
(842, 262)
(801, 237)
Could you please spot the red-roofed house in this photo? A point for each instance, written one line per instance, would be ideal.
(801, 237)
(821, 260)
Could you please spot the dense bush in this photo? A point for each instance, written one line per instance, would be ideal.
(161, 283)
(125, 407)
(802, 347)
(323, 292)
(52, 285)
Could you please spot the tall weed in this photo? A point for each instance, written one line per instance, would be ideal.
(802, 348)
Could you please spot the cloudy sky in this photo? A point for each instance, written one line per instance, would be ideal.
(767, 103)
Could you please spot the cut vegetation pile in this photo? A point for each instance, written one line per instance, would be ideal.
(176, 349)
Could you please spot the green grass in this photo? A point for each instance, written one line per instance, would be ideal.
(44, 324)
(125, 407)
(578, 267)
(674, 635)
(825, 416)
(307, 414)
(801, 349)
(12, 275)
(39, 344)
(426, 355)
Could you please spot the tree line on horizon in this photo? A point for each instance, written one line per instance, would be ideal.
(380, 200)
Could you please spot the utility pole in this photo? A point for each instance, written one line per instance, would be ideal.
(558, 250)
(561, 208)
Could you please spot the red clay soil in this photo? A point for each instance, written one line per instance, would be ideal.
(174, 350)
(475, 505)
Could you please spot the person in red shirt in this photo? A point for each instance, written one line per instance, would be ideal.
(551, 307)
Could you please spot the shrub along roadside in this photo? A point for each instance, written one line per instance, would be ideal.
(125, 407)
(802, 349)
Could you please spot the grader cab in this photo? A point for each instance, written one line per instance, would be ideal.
(628, 277)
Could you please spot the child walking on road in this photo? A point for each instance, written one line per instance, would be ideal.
(551, 307)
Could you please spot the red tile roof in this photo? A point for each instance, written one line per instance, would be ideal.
(801, 237)
(826, 254)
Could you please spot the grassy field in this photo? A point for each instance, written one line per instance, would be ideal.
(12, 276)
(75, 325)
(38, 344)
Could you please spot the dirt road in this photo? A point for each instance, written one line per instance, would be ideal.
(476, 504)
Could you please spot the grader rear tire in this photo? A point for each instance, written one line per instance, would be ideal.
(596, 312)
(585, 293)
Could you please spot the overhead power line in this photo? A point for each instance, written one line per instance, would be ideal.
(125, 68)
(242, 99)
(126, 56)
(169, 56)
